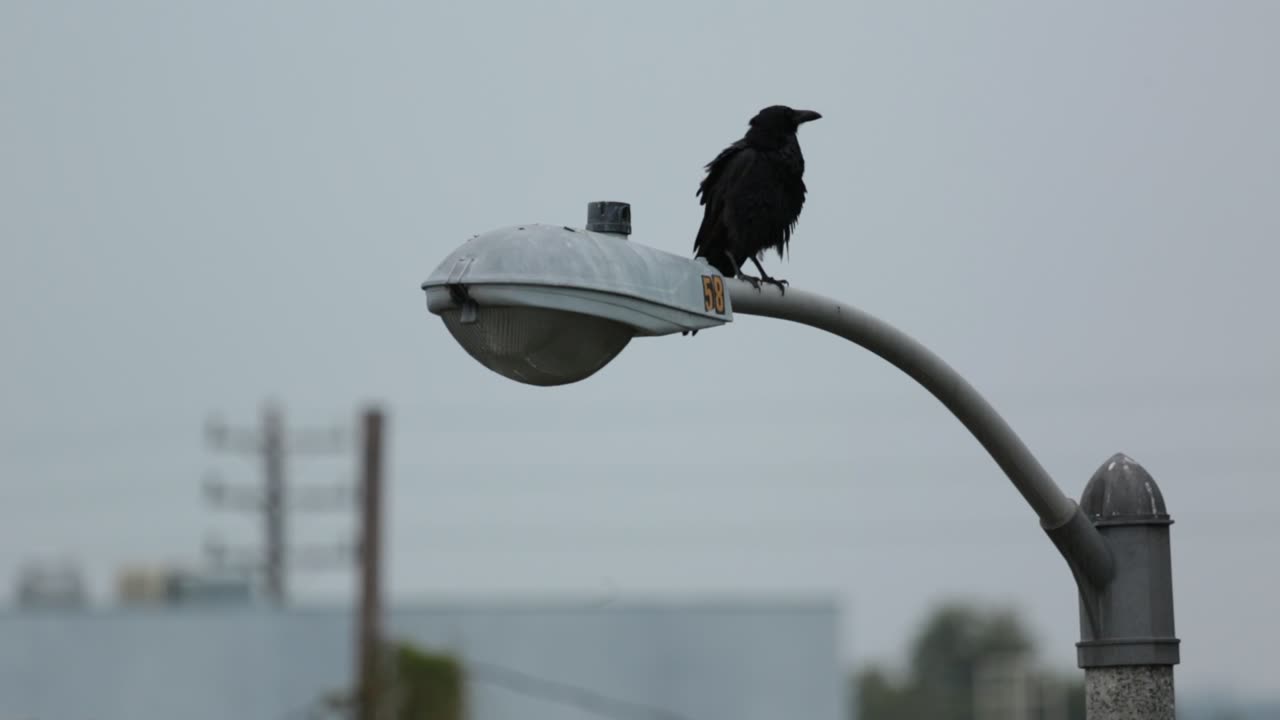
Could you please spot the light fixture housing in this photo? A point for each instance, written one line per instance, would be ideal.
(550, 304)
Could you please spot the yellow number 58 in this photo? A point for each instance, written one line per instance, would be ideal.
(713, 293)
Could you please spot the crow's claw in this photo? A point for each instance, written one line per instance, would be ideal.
(781, 284)
(754, 281)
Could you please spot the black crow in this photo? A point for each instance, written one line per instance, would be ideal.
(753, 193)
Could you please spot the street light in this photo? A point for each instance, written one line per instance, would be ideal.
(550, 305)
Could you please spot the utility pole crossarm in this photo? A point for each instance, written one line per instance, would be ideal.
(319, 498)
(1067, 526)
(322, 557)
(232, 497)
(221, 437)
(318, 441)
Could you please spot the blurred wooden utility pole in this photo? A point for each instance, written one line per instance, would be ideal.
(369, 632)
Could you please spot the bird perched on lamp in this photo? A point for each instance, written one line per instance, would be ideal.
(752, 195)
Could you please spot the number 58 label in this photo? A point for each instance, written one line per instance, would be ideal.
(713, 294)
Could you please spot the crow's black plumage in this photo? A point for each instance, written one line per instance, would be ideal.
(753, 193)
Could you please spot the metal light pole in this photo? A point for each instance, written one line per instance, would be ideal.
(550, 305)
(1116, 543)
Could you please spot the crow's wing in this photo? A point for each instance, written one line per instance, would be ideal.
(714, 237)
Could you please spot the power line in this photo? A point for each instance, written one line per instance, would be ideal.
(529, 685)
(565, 693)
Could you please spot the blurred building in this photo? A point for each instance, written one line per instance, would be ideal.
(144, 586)
(528, 661)
(50, 585)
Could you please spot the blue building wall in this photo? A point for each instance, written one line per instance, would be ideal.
(744, 660)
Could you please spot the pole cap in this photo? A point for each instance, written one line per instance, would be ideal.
(1122, 492)
(609, 216)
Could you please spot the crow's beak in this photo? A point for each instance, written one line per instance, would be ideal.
(804, 116)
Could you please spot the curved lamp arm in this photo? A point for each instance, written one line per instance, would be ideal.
(1061, 518)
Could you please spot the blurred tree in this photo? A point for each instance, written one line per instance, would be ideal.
(946, 657)
(417, 685)
(429, 686)
(881, 699)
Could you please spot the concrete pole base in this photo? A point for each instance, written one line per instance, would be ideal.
(1129, 692)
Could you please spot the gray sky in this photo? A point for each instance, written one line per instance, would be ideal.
(1074, 205)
